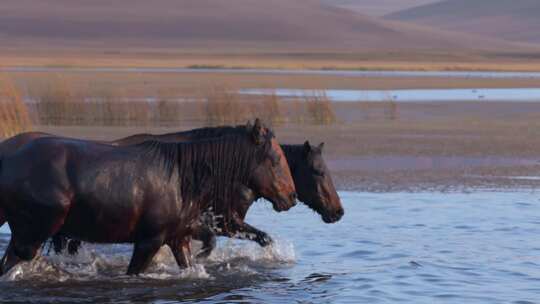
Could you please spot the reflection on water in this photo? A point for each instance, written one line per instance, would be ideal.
(418, 95)
(391, 247)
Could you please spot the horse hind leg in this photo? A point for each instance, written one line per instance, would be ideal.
(30, 231)
(143, 253)
(2, 217)
(9, 260)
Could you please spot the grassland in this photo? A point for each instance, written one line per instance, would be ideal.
(419, 60)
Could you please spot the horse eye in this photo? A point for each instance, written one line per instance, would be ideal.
(318, 172)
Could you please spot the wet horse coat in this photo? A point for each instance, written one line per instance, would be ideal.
(311, 177)
(150, 194)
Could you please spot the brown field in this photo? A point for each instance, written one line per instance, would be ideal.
(195, 84)
(247, 34)
(384, 59)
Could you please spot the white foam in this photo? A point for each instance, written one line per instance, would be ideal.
(281, 251)
(110, 262)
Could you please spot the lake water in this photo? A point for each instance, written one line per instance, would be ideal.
(417, 95)
(389, 248)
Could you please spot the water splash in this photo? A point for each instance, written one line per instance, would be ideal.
(108, 262)
(280, 252)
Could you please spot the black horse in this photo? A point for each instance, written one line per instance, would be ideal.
(310, 174)
(149, 194)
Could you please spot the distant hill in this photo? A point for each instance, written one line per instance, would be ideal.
(513, 20)
(378, 7)
(211, 24)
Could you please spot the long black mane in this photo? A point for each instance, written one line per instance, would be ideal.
(293, 153)
(208, 132)
(209, 169)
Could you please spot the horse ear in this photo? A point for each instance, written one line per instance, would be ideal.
(257, 133)
(321, 146)
(307, 147)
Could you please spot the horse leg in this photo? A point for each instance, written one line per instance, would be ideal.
(31, 230)
(2, 217)
(59, 243)
(9, 260)
(248, 232)
(204, 234)
(143, 253)
(73, 246)
(182, 252)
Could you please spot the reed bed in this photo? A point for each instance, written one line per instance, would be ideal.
(57, 102)
(319, 108)
(14, 114)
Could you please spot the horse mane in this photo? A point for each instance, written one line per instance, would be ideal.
(293, 154)
(210, 169)
(207, 132)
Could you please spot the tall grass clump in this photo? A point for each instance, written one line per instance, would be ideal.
(391, 111)
(270, 110)
(57, 103)
(319, 108)
(14, 114)
(223, 106)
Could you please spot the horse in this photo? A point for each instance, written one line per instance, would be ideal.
(311, 176)
(151, 194)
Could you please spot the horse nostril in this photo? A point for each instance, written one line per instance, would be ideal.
(293, 197)
(340, 212)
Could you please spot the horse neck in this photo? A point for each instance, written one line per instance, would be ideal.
(224, 163)
(293, 154)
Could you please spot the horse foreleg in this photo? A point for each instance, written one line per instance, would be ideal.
(143, 253)
(73, 246)
(207, 236)
(59, 243)
(245, 231)
(182, 252)
(2, 217)
(9, 260)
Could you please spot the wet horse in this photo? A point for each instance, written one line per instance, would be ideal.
(311, 176)
(150, 194)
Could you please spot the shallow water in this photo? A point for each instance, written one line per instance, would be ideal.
(389, 248)
(417, 95)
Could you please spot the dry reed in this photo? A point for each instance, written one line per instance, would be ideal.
(14, 115)
(319, 108)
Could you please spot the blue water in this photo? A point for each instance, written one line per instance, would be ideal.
(389, 248)
(417, 95)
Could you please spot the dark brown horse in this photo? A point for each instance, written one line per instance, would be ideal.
(149, 194)
(310, 174)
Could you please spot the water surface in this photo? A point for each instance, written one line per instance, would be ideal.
(389, 248)
(416, 95)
